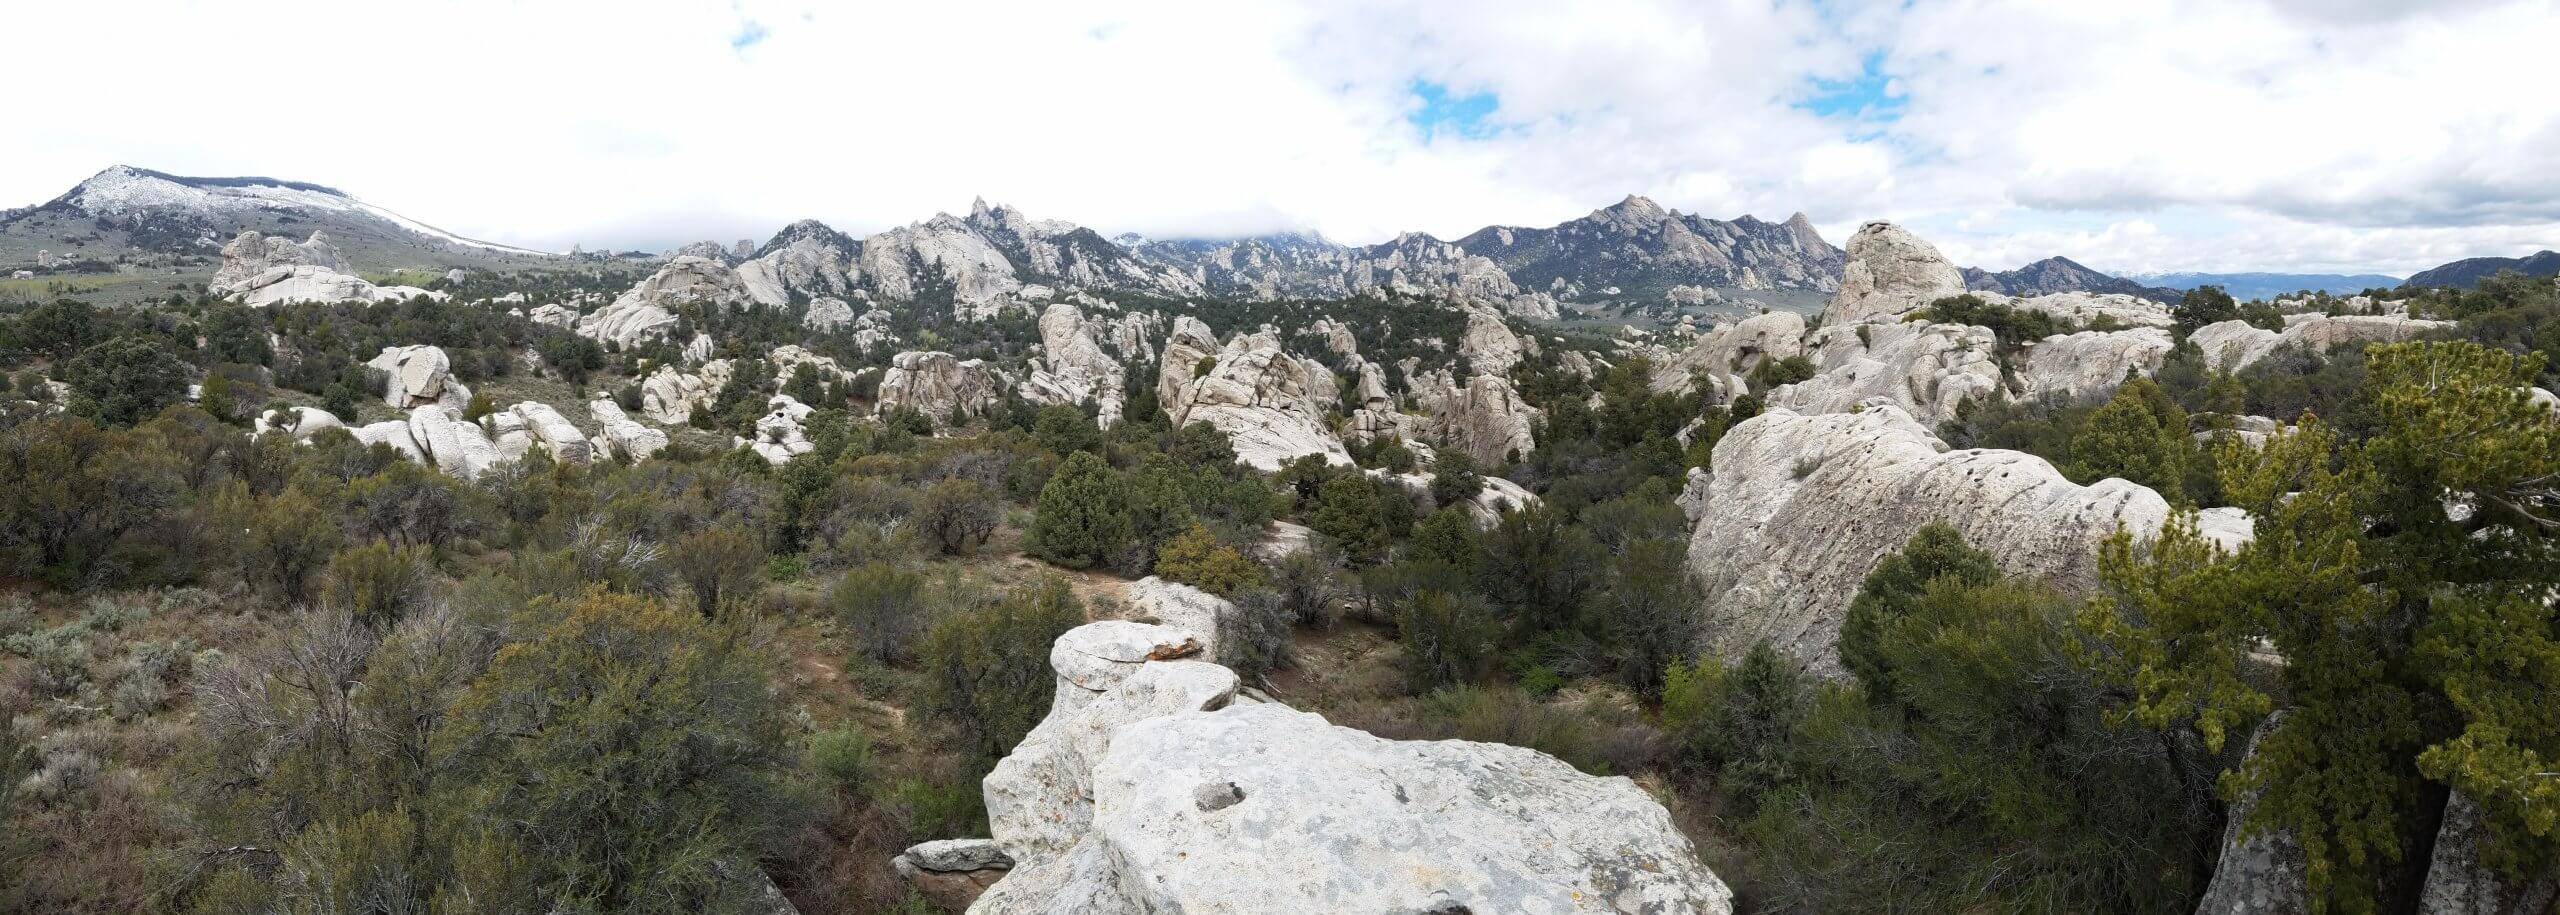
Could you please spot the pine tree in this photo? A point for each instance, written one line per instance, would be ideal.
(1082, 518)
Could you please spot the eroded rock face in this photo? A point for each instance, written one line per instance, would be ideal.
(1891, 273)
(900, 261)
(1181, 606)
(1486, 419)
(1073, 368)
(647, 310)
(298, 422)
(941, 386)
(1489, 346)
(2092, 363)
(2235, 345)
(805, 261)
(2092, 308)
(1927, 369)
(1152, 787)
(2259, 874)
(1189, 342)
(1798, 509)
(1271, 405)
(1725, 355)
(555, 315)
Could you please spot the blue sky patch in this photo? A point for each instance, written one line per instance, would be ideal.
(1455, 115)
(1862, 97)
(750, 33)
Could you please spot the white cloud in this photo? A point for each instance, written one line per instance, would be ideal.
(2170, 135)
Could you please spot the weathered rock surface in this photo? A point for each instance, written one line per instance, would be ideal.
(1152, 787)
(304, 283)
(779, 433)
(250, 254)
(2235, 345)
(2091, 363)
(1798, 509)
(1271, 405)
(2460, 883)
(392, 432)
(939, 385)
(1927, 369)
(554, 315)
(1890, 273)
(1189, 342)
(456, 446)
(554, 432)
(1181, 606)
(2084, 308)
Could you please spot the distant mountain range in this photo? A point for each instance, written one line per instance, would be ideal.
(1633, 250)
(2059, 274)
(2464, 274)
(2246, 286)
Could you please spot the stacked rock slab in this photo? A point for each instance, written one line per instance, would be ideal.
(1798, 509)
(618, 434)
(417, 376)
(1152, 786)
(2234, 345)
(1927, 369)
(1891, 273)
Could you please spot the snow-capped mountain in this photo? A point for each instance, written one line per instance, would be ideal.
(127, 215)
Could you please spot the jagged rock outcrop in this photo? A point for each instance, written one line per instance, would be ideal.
(1189, 342)
(805, 261)
(418, 375)
(1489, 345)
(1927, 369)
(705, 249)
(1799, 508)
(2235, 345)
(1727, 354)
(647, 310)
(2091, 363)
(668, 395)
(1074, 369)
(1486, 419)
(1271, 405)
(900, 262)
(1153, 787)
(618, 434)
(941, 386)
(1888, 273)
(1336, 336)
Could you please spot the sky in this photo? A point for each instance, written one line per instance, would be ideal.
(2292, 135)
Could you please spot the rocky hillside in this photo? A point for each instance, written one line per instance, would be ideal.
(2060, 274)
(2468, 272)
(127, 215)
